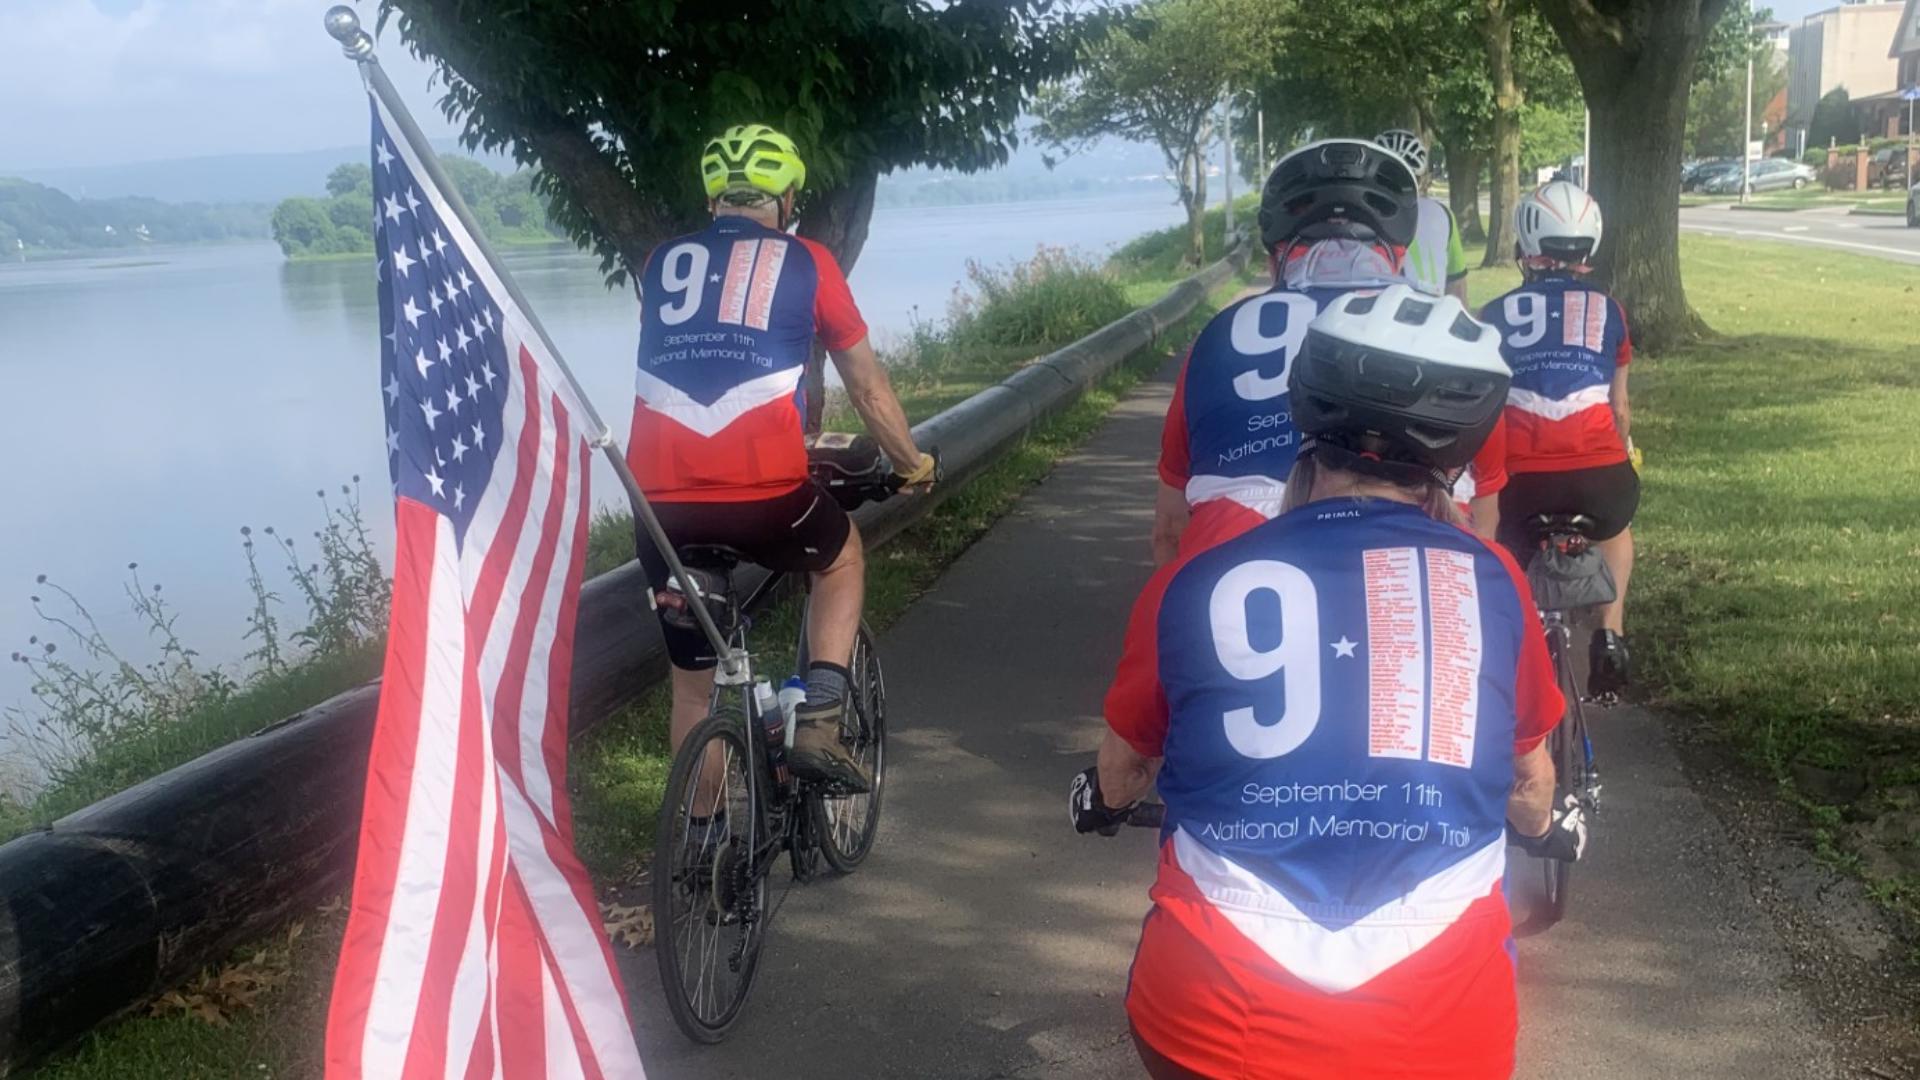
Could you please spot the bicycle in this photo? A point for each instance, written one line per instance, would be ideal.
(1567, 578)
(732, 807)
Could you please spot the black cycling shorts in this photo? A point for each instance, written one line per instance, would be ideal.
(1609, 494)
(802, 530)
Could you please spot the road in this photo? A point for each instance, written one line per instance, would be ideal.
(984, 940)
(1830, 228)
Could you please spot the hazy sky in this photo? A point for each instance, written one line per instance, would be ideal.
(89, 82)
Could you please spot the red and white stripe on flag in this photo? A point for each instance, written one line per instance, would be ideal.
(474, 947)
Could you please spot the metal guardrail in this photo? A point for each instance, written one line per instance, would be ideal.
(115, 903)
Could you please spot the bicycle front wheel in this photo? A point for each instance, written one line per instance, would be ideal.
(1564, 747)
(709, 897)
(846, 824)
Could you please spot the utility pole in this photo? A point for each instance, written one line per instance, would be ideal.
(1226, 169)
(1746, 132)
(1586, 152)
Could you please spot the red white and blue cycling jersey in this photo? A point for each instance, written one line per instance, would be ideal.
(728, 317)
(1339, 695)
(1565, 340)
(1229, 441)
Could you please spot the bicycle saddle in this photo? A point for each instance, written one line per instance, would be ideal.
(1551, 524)
(716, 557)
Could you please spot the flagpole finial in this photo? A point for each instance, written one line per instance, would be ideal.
(344, 24)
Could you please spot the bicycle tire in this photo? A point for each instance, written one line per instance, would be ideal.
(717, 893)
(1563, 746)
(845, 826)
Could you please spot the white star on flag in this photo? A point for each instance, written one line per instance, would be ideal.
(400, 260)
(479, 437)
(412, 312)
(461, 338)
(420, 361)
(393, 392)
(412, 203)
(473, 387)
(427, 410)
(384, 155)
(393, 442)
(459, 448)
(453, 401)
(393, 209)
(1344, 647)
(459, 496)
(438, 482)
(446, 351)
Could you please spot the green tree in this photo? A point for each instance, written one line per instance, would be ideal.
(301, 226)
(1716, 112)
(613, 102)
(349, 178)
(1832, 122)
(1636, 63)
(1157, 79)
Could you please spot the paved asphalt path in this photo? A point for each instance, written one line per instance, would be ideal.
(1827, 227)
(983, 939)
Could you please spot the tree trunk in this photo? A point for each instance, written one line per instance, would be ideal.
(838, 218)
(632, 222)
(1635, 69)
(1464, 163)
(1193, 196)
(1507, 99)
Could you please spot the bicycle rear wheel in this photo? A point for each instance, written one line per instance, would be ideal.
(846, 824)
(1564, 747)
(709, 898)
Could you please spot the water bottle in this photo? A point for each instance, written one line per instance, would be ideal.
(792, 693)
(774, 724)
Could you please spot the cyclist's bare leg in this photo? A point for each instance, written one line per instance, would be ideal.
(1618, 554)
(833, 614)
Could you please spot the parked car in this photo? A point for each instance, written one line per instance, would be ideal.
(1767, 174)
(1887, 168)
(1708, 171)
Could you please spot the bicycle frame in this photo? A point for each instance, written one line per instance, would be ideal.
(738, 678)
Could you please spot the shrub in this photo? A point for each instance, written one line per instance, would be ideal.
(1051, 299)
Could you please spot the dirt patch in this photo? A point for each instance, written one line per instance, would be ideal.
(1854, 957)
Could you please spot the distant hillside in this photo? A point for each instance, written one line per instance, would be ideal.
(37, 217)
(227, 178)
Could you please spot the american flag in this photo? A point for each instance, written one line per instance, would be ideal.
(474, 946)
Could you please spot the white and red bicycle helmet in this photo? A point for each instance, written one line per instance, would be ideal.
(1558, 225)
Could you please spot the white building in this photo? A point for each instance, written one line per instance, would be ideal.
(1841, 48)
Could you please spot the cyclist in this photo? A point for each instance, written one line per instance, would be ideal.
(1436, 262)
(1568, 446)
(1346, 708)
(728, 317)
(1335, 215)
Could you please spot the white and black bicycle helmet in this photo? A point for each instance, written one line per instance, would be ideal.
(1408, 146)
(1339, 189)
(1557, 222)
(1400, 380)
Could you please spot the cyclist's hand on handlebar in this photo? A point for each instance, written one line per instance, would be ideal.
(1565, 839)
(919, 478)
(1088, 812)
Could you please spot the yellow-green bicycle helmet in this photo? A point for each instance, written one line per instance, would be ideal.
(753, 155)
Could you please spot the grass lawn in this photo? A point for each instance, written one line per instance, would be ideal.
(618, 771)
(1805, 198)
(1776, 595)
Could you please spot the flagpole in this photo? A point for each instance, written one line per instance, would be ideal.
(343, 23)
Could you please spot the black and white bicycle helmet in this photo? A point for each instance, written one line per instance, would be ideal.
(1408, 146)
(1401, 378)
(1346, 189)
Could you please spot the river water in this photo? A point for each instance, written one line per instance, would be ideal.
(155, 401)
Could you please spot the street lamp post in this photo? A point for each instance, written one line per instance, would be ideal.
(1746, 131)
